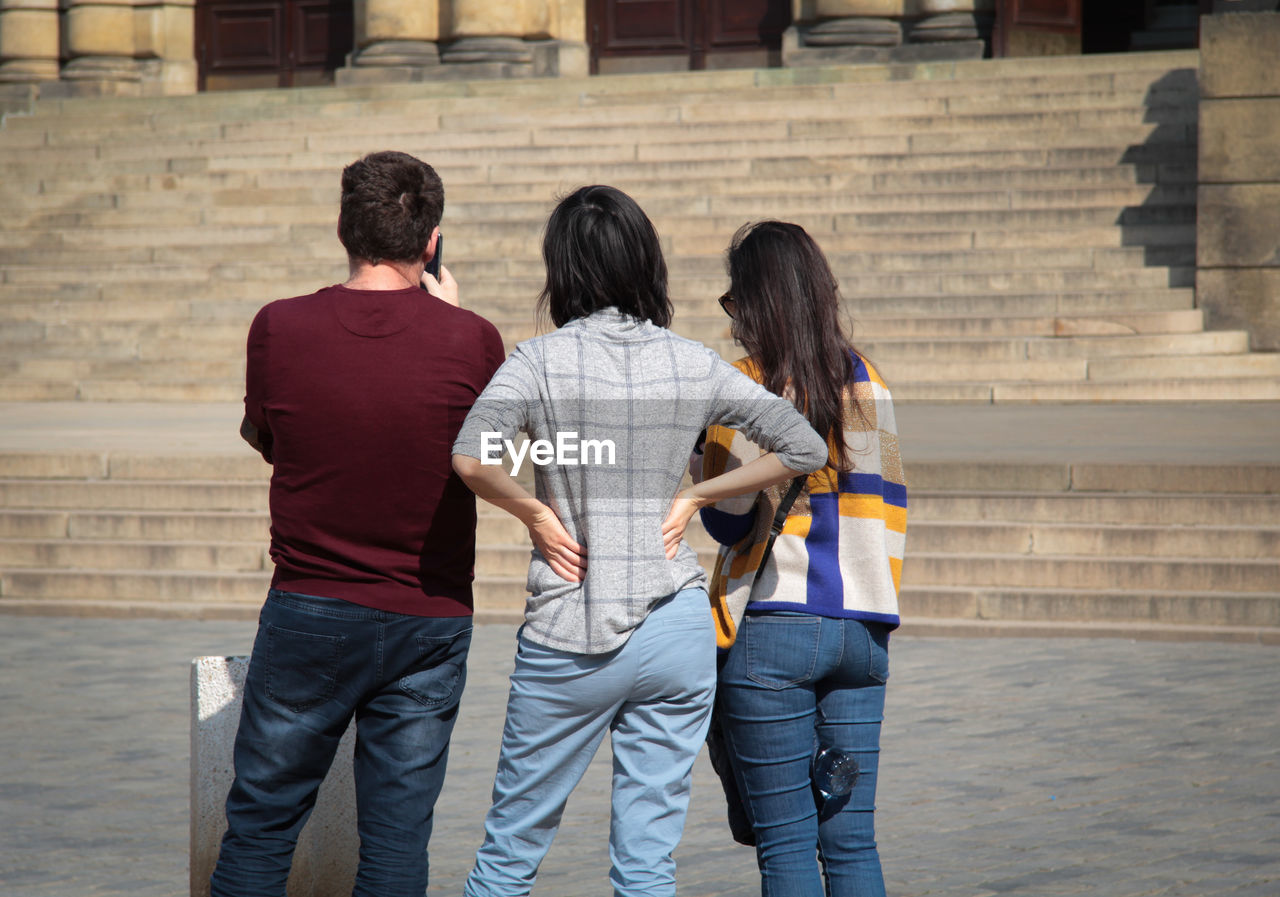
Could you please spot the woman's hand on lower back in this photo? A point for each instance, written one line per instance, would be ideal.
(682, 511)
(566, 557)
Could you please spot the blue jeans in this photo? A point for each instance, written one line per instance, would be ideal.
(653, 696)
(317, 662)
(792, 682)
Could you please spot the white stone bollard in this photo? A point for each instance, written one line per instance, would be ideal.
(328, 849)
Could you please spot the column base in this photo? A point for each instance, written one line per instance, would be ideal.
(396, 53)
(28, 71)
(855, 31)
(959, 26)
(472, 59)
(97, 76)
(509, 50)
(879, 42)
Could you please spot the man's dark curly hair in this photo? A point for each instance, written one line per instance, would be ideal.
(390, 204)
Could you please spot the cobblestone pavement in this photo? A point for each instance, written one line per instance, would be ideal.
(1011, 766)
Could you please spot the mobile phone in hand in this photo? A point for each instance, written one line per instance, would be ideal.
(433, 266)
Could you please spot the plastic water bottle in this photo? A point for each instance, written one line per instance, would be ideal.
(834, 772)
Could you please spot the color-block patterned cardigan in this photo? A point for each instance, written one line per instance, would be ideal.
(840, 550)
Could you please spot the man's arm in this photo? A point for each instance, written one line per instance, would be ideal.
(261, 442)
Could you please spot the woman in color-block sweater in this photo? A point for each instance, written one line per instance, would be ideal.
(808, 668)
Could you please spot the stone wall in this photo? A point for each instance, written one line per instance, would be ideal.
(1238, 216)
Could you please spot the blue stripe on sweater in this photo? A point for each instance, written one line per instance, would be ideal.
(873, 484)
(825, 584)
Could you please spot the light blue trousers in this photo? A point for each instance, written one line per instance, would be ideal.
(653, 696)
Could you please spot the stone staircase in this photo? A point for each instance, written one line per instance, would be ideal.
(1017, 230)
(1006, 231)
(1094, 548)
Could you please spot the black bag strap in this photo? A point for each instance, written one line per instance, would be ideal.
(779, 518)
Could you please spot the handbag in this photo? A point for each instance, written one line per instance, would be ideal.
(727, 619)
(728, 605)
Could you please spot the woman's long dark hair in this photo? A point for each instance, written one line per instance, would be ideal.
(601, 250)
(787, 316)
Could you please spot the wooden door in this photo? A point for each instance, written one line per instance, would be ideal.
(271, 43)
(1047, 17)
(683, 29)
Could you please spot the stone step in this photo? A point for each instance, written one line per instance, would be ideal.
(302, 204)
(511, 302)
(1047, 349)
(1212, 367)
(38, 494)
(660, 196)
(925, 343)
(230, 370)
(881, 326)
(513, 298)
(116, 282)
(1023, 168)
(413, 115)
(1199, 575)
(72, 554)
(133, 585)
(187, 213)
(120, 390)
(178, 526)
(1150, 73)
(1047, 539)
(1235, 389)
(1109, 606)
(1038, 540)
(88, 308)
(957, 338)
(1162, 155)
(747, 121)
(514, 147)
(1098, 509)
(510, 250)
(984, 383)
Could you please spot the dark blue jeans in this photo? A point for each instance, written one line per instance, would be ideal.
(790, 683)
(317, 662)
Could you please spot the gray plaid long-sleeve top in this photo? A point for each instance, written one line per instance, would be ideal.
(623, 401)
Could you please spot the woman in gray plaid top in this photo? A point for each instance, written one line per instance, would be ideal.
(618, 635)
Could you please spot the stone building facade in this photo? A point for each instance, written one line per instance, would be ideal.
(154, 47)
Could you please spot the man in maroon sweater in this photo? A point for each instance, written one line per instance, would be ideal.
(355, 394)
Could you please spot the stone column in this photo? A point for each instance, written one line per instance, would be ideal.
(832, 32)
(956, 29)
(324, 864)
(845, 31)
(395, 40)
(28, 41)
(488, 31)
(427, 40)
(166, 45)
(513, 38)
(1238, 200)
(99, 44)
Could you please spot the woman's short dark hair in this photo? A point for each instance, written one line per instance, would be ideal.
(787, 316)
(391, 202)
(601, 250)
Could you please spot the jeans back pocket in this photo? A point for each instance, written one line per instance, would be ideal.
(441, 669)
(782, 650)
(302, 667)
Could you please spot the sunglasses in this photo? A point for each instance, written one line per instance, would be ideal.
(726, 303)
